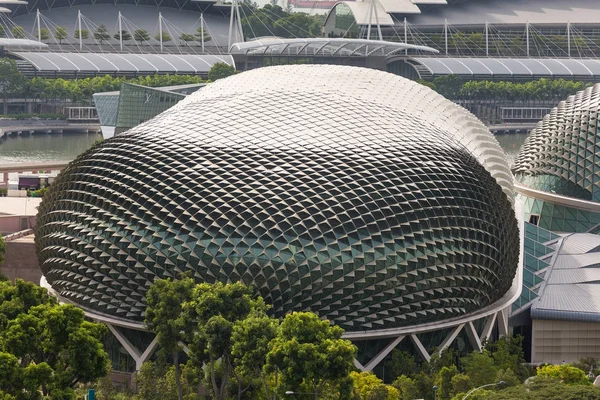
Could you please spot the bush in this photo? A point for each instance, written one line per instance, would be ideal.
(565, 373)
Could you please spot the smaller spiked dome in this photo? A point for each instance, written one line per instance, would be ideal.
(562, 153)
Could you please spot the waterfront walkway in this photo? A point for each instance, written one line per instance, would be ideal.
(28, 127)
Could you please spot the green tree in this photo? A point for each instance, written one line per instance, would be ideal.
(402, 363)
(480, 368)
(200, 32)
(81, 34)
(220, 70)
(56, 347)
(18, 32)
(60, 33)
(101, 34)
(508, 377)
(11, 80)
(364, 383)
(164, 300)
(211, 315)
(141, 35)
(187, 37)
(309, 351)
(407, 387)
(461, 383)
(125, 35)
(166, 37)
(44, 34)
(565, 373)
(251, 337)
(2, 31)
(507, 353)
(444, 381)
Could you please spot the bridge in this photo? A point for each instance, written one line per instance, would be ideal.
(26, 167)
(47, 127)
(524, 127)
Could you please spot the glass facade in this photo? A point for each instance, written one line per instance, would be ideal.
(107, 107)
(138, 104)
(558, 218)
(534, 252)
(366, 214)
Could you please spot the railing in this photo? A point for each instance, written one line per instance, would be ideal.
(18, 235)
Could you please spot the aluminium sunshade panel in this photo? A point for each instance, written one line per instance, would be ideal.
(513, 67)
(122, 63)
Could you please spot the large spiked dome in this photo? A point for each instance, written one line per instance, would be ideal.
(362, 196)
(561, 154)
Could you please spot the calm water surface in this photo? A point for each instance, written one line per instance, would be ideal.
(511, 143)
(41, 148)
(44, 148)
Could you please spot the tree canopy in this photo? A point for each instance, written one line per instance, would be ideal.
(45, 347)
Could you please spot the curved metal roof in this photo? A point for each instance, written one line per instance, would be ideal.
(122, 63)
(10, 43)
(508, 67)
(571, 289)
(323, 47)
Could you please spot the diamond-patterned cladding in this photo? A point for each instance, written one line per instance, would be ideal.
(562, 153)
(329, 188)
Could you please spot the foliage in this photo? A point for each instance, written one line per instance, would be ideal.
(211, 314)
(18, 32)
(251, 338)
(272, 20)
(187, 37)
(44, 34)
(39, 193)
(11, 80)
(60, 33)
(546, 389)
(202, 33)
(166, 37)
(101, 34)
(402, 363)
(508, 377)
(156, 381)
(309, 352)
(83, 34)
(220, 70)
(55, 346)
(2, 250)
(407, 388)
(2, 34)
(461, 383)
(369, 387)
(590, 365)
(480, 368)
(125, 36)
(453, 87)
(444, 382)
(164, 317)
(141, 35)
(565, 373)
(507, 353)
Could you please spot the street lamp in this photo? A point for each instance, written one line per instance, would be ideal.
(435, 389)
(481, 387)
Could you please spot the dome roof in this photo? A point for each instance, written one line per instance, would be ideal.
(323, 186)
(561, 153)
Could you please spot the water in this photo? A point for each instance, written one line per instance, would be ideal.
(511, 144)
(44, 148)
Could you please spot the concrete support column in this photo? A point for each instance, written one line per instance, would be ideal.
(138, 356)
